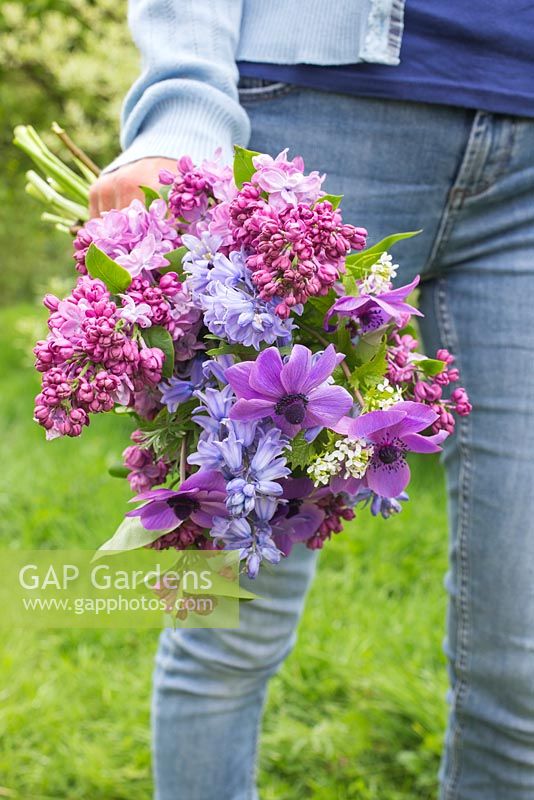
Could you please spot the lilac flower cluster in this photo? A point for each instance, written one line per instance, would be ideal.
(296, 251)
(88, 360)
(137, 238)
(144, 469)
(404, 369)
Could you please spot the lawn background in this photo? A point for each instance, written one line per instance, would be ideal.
(358, 709)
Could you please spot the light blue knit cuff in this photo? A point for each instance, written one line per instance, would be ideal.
(185, 124)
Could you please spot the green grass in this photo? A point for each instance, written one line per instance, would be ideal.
(358, 709)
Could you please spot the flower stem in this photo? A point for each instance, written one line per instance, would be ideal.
(76, 151)
(183, 456)
(322, 340)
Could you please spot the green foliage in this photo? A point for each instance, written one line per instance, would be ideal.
(150, 195)
(358, 264)
(175, 259)
(243, 166)
(118, 470)
(165, 432)
(300, 452)
(157, 336)
(130, 535)
(241, 351)
(334, 199)
(100, 265)
(431, 366)
(372, 367)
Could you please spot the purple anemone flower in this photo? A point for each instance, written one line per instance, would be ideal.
(393, 432)
(296, 394)
(200, 498)
(374, 310)
(299, 518)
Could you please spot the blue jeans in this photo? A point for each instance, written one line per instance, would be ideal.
(467, 179)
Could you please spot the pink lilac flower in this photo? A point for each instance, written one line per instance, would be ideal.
(373, 311)
(188, 535)
(135, 313)
(401, 365)
(190, 190)
(135, 237)
(297, 394)
(199, 498)
(298, 253)
(284, 181)
(144, 470)
(89, 360)
(393, 432)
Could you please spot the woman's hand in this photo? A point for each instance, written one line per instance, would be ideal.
(118, 188)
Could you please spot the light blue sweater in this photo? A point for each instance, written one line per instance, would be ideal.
(186, 102)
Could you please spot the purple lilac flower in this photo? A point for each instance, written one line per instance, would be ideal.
(248, 455)
(200, 498)
(284, 181)
(258, 470)
(190, 190)
(375, 310)
(393, 432)
(199, 259)
(232, 309)
(297, 394)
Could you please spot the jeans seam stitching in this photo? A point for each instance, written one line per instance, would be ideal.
(461, 689)
(456, 196)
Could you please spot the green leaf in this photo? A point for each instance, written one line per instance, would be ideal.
(130, 535)
(118, 470)
(358, 263)
(334, 199)
(175, 258)
(150, 194)
(242, 351)
(156, 336)
(300, 452)
(372, 370)
(431, 366)
(100, 265)
(243, 166)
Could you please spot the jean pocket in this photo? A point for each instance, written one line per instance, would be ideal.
(252, 90)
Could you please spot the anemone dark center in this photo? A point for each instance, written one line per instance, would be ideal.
(389, 453)
(292, 407)
(371, 318)
(293, 507)
(182, 506)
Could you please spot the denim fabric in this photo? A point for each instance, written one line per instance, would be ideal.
(467, 178)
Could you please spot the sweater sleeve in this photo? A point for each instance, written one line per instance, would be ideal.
(185, 101)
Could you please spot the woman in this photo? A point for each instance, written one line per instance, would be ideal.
(428, 128)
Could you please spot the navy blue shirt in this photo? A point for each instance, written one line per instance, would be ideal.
(472, 53)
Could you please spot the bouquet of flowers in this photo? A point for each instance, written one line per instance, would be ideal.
(270, 367)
